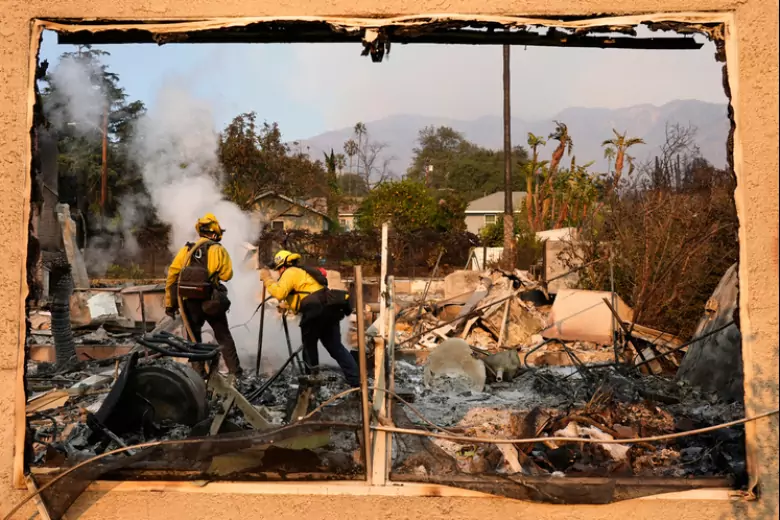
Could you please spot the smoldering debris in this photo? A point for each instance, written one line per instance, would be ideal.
(579, 362)
(479, 366)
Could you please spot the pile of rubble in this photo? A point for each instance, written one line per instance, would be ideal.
(497, 359)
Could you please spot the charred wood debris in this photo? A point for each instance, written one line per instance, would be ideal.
(492, 355)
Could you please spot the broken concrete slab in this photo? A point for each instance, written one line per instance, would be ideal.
(521, 324)
(579, 315)
(452, 366)
(75, 258)
(461, 282)
(714, 364)
(101, 305)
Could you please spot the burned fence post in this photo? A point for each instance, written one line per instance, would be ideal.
(361, 331)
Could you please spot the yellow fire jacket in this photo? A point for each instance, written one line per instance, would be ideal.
(218, 261)
(294, 285)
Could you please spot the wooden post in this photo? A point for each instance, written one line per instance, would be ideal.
(143, 311)
(104, 167)
(383, 283)
(390, 355)
(379, 441)
(509, 221)
(361, 334)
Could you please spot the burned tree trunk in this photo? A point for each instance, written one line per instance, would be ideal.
(64, 345)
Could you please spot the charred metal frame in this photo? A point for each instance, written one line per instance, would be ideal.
(376, 35)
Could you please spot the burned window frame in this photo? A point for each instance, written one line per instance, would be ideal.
(716, 25)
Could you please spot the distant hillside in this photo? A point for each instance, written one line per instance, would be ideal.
(589, 127)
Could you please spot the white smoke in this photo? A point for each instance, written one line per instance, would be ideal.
(77, 105)
(176, 148)
(78, 101)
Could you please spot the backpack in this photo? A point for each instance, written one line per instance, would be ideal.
(334, 300)
(194, 280)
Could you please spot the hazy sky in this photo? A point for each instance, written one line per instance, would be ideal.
(312, 88)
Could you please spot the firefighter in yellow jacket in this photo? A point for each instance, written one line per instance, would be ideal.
(304, 289)
(195, 274)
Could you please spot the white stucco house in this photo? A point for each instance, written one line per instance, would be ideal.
(487, 210)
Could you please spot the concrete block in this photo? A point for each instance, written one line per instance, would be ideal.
(451, 367)
(579, 315)
(461, 282)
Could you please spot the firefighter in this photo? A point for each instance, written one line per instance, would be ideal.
(195, 274)
(304, 290)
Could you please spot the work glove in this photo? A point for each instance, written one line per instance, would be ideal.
(170, 311)
(265, 275)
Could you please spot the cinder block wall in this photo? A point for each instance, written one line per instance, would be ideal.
(754, 65)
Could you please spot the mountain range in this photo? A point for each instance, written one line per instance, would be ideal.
(588, 127)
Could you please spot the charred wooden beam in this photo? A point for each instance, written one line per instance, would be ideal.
(320, 32)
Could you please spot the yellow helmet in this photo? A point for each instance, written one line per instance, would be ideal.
(208, 225)
(285, 258)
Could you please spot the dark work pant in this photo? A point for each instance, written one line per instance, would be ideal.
(326, 329)
(219, 324)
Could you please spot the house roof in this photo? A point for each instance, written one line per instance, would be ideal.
(494, 203)
(350, 206)
(285, 198)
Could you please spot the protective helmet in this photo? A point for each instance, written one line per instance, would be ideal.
(208, 225)
(284, 259)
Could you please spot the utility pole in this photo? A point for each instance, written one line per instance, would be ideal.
(509, 221)
(104, 169)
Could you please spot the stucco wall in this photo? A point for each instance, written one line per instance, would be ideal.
(754, 53)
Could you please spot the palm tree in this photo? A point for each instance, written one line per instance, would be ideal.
(534, 142)
(620, 143)
(609, 155)
(340, 162)
(565, 144)
(360, 132)
(351, 149)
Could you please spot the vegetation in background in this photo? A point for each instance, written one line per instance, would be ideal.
(444, 159)
(408, 206)
(80, 156)
(255, 160)
(672, 234)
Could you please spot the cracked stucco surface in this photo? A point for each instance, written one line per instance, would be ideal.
(756, 102)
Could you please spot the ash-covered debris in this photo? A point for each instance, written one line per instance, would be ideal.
(151, 395)
(576, 366)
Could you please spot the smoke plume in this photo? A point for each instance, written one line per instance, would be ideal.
(176, 146)
(76, 106)
(77, 101)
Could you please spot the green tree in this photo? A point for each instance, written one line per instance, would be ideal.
(334, 192)
(80, 136)
(353, 185)
(409, 206)
(446, 160)
(532, 177)
(255, 160)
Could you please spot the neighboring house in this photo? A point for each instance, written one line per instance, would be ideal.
(283, 213)
(487, 210)
(347, 214)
